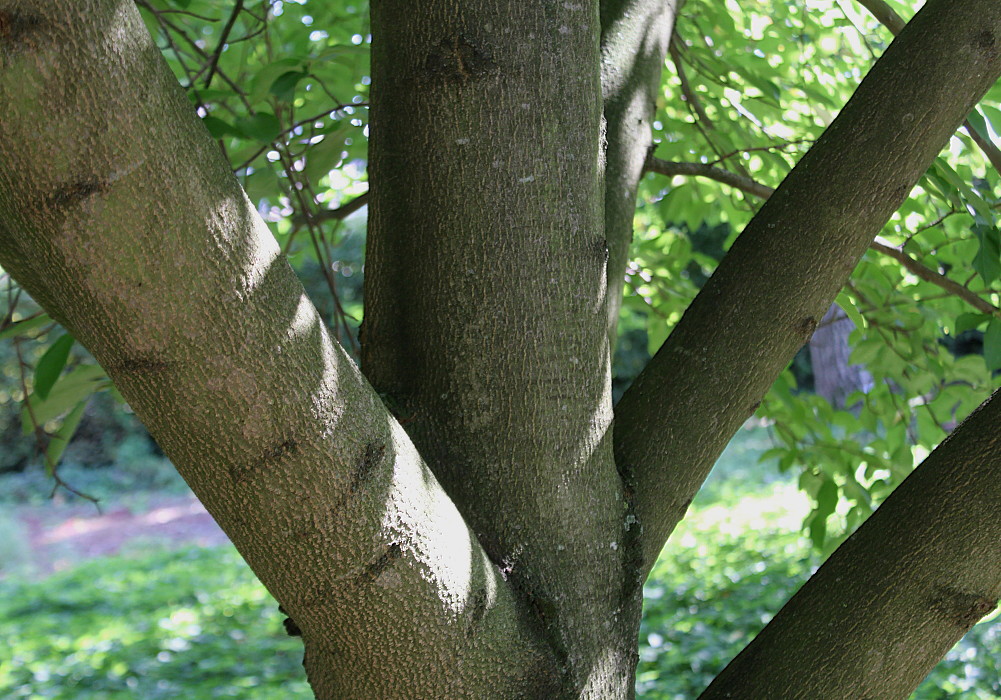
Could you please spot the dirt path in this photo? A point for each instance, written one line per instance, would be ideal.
(60, 537)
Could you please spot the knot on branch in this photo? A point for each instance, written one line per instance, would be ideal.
(986, 43)
(806, 326)
(961, 608)
(370, 458)
(374, 570)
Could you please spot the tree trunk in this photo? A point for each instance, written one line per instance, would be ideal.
(486, 301)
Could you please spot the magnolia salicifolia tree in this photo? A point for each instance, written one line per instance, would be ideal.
(467, 515)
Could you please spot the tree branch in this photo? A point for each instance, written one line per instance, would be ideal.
(919, 573)
(936, 278)
(989, 149)
(886, 15)
(634, 39)
(895, 23)
(769, 292)
(740, 182)
(686, 87)
(339, 214)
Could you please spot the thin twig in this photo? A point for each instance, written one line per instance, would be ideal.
(938, 279)
(740, 182)
(879, 245)
(237, 7)
(686, 88)
(340, 213)
(774, 147)
(885, 14)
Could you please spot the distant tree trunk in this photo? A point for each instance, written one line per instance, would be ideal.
(834, 377)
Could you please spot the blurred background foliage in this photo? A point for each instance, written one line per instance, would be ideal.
(912, 345)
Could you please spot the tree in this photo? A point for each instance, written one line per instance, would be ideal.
(488, 537)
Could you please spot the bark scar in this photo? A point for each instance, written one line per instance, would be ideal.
(806, 326)
(141, 364)
(601, 248)
(275, 454)
(17, 30)
(76, 192)
(456, 59)
(370, 459)
(960, 607)
(986, 42)
(477, 611)
(280, 451)
(375, 569)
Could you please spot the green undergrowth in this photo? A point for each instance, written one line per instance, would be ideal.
(192, 623)
(195, 623)
(728, 569)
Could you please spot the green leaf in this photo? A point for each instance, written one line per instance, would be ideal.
(25, 325)
(62, 437)
(324, 156)
(770, 91)
(284, 86)
(51, 365)
(266, 77)
(818, 530)
(993, 116)
(987, 261)
(657, 333)
(827, 501)
(219, 128)
(213, 95)
(992, 345)
(966, 322)
(847, 305)
(263, 127)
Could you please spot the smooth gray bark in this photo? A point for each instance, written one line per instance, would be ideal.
(487, 326)
(634, 38)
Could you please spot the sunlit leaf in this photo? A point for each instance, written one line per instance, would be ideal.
(61, 438)
(79, 383)
(22, 327)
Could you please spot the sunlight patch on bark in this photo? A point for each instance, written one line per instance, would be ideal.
(421, 517)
